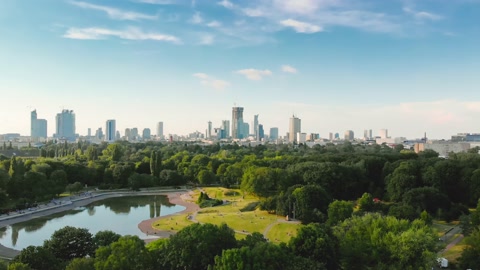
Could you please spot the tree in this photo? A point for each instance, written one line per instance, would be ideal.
(38, 257)
(19, 266)
(338, 211)
(206, 177)
(59, 179)
(155, 163)
(128, 253)
(74, 188)
(265, 256)
(317, 242)
(91, 153)
(81, 264)
(311, 203)
(376, 241)
(259, 181)
(470, 258)
(105, 238)
(403, 178)
(170, 178)
(70, 242)
(365, 203)
(195, 246)
(252, 239)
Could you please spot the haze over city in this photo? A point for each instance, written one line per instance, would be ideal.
(408, 66)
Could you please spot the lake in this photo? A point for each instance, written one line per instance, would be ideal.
(120, 214)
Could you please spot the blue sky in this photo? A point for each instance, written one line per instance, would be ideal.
(408, 66)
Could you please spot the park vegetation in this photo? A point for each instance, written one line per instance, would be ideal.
(363, 206)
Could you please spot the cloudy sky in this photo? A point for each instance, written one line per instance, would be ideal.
(408, 66)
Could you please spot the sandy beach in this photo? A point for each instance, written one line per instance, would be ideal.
(146, 226)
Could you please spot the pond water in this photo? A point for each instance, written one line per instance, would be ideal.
(120, 214)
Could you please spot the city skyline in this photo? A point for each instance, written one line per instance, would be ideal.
(339, 65)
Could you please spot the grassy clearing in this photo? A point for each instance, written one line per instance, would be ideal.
(282, 232)
(239, 213)
(455, 252)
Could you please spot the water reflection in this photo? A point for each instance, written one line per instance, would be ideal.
(120, 214)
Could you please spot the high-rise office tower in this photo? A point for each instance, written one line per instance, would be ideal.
(134, 134)
(160, 129)
(209, 130)
(99, 134)
(384, 133)
(274, 133)
(349, 135)
(245, 131)
(146, 134)
(65, 125)
(38, 127)
(118, 136)
(89, 133)
(237, 122)
(110, 131)
(295, 127)
(255, 127)
(370, 134)
(260, 132)
(226, 127)
(127, 134)
(365, 135)
(330, 136)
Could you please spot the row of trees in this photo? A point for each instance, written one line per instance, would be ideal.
(360, 242)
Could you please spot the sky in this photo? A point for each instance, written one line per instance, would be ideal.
(403, 65)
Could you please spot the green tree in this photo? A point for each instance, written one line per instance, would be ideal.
(38, 257)
(91, 153)
(259, 181)
(206, 177)
(470, 258)
(60, 181)
(195, 246)
(128, 253)
(311, 203)
(74, 188)
(365, 203)
(19, 266)
(317, 242)
(403, 178)
(156, 163)
(81, 264)
(105, 238)
(70, 242)
(338, 211)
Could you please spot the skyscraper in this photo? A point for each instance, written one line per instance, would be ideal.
(295, 127)
(237, 122)
(255, 127)
(38, 127)
(146, 134)
(226, 127)
(274, 133)
(260, 133)
(349, 135)
(65, 125)
(209, 130)
(160, 130)
(110, 131)
(384, 133)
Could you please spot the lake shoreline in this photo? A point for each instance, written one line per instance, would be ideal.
(79, 201)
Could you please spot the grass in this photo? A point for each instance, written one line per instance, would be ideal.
(282, 232)
(455, 252)
(240, 214)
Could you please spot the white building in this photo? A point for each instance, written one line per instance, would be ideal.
(295, 127)
(443, 148)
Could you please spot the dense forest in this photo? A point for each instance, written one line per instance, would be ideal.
(397, 193)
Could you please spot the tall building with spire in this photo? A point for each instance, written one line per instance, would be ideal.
(237, 123)
(295, 127)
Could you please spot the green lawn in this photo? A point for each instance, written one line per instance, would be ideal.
(239, 214)
(455, 252)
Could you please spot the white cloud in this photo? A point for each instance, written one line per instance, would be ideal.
(129, 34)
(207, 39)
(253, 12)
(254, 74)
(301, 27)
(156, 2)
(114, 13)
(422, 15)
(212, 82)
(298, 6)
(214, 24)
(196, 18)
(289, 69)
(226, 4)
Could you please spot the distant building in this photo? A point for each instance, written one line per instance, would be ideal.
(255, 127)
(443, 148)
(330, 136)
(110, 131)
(38, 127)
(117, 136)
(146, 134)
(383, 134)
(160, 130)
(366, 135)
(237, 122)
(65, 128)
(349, 136)
(273, 133)
(209, 130)
(295, 127)
(134, 134)
(99, 134)
(313, 136)
(245, 131)
(226, 128)
(337, 136)
(260, 133)
(301, 137)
